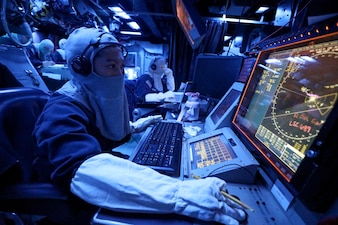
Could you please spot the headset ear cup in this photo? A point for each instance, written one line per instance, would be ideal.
(81, 65)
(153, 66)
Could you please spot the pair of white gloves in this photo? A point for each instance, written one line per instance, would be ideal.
(121, 185)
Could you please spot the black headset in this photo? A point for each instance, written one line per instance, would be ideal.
(153, 65)
(81, 65)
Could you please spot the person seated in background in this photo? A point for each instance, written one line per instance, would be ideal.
(89, 117)
(40, 53)
(59, 55)
(159, 79)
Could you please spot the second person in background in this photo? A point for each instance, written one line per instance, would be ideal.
(158, 79)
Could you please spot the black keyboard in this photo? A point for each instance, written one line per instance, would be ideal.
(162, 148)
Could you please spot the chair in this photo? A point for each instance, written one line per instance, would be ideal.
(20, 193)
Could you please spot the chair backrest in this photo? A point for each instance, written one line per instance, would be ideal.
(19, 110)
(19, 192)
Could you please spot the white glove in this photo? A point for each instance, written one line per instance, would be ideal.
(48, 63)
(169, 96)
(121, 185)
(154, 97)
(170, 79)
(142, 123)
(168, 72)
(203, 199)
(158, 97)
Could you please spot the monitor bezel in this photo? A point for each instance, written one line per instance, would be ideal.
(307, 166)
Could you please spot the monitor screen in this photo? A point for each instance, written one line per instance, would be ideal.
(284, 109)
(222, 113)
(190, 22)
(210, 151)
(214, 75)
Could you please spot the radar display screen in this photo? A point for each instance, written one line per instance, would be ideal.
(292, 91)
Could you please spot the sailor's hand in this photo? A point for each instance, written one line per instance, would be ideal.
(155, 97)
(48, 63)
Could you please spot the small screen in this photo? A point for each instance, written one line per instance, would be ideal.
(224, 106)
(190, 21)
(210, 151)
(290, 95)
(246, 69)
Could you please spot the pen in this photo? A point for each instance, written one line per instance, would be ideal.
(231, 197)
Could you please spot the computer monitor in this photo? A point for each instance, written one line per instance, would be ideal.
(190, 21)
(222, 113)
(214, 75)
(288, 117)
